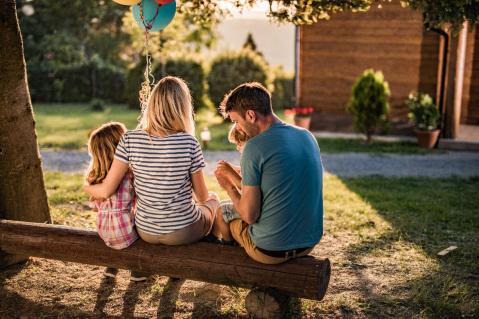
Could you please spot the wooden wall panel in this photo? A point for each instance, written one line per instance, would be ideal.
(335, 52)
(470, 106)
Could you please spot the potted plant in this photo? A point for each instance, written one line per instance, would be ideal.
(425, 115)
(302, 116)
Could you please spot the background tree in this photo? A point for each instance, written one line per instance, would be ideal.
(22, 190)
(293, 11)
(436, 12)
(250, 44)
(182, 37)
(79, 41)
(441, 13)
(80, 30)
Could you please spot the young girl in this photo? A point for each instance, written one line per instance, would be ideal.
(167, 163)
(115, 219)
(233, 173)
(237, 137)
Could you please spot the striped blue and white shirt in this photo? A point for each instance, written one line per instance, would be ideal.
(162, 168)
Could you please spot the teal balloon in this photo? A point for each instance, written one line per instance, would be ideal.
(166, 13)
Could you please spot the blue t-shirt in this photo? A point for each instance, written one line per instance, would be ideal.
(284, 161)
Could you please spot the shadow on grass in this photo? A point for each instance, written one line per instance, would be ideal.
(107, 286)
(171, 291)
(207, 302)
(131, 297)
(11, 271)
(14, 305)
(426, 216)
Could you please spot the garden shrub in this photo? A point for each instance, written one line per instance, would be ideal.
(231, 69)
(283, 93)
(43, 84)
(77, 83)
(97, 105)
(369, 102)
(93, 79)
(188, 69)
(191, 71)
(134, 79)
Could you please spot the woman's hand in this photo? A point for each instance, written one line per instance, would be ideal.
(111, 182)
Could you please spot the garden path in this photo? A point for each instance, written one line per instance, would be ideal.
(461, 164)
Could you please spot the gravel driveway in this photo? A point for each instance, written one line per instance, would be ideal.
(462, 164)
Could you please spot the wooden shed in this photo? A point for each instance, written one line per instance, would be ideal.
(331, 54)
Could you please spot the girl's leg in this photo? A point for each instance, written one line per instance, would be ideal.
(221, 229)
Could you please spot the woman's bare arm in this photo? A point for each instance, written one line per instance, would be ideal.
(111, 182)
(199, 186)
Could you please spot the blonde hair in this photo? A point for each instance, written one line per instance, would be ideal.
(169, 109)
(236, 136)
(102, 146)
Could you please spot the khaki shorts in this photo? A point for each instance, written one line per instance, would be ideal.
(239, 231)
(189, 234)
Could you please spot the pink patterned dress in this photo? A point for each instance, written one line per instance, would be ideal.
(116, 216)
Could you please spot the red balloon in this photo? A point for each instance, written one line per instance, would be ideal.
(164, 1)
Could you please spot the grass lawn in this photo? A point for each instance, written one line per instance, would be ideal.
(66, 126)
(351, 145)
(382, 236)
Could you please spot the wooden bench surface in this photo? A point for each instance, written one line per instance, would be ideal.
(306, 277)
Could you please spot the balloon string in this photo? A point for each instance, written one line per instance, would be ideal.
(148, 23)
(147, 84)
(149, 79)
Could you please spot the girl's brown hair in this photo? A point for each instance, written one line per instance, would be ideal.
(236, 136)
(102, 146)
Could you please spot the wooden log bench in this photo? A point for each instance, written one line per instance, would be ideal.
(306, 277)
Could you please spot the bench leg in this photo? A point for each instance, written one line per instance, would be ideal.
(266, 303)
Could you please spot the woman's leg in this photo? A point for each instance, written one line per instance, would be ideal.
(189, 234)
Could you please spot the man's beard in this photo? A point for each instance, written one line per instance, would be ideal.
(251, 130)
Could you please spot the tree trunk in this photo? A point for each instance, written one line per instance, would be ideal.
(22, 190)
(305, 277)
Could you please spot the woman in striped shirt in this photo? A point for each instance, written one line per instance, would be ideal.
(167, 162)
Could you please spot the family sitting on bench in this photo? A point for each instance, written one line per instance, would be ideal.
(149, 182)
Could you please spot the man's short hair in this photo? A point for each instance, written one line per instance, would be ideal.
(247, 96)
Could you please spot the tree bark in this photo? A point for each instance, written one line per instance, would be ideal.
(22, 190)
(305, 277)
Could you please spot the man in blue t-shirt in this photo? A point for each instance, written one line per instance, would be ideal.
(280, 202)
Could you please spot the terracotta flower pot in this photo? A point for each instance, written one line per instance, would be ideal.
(427, 139)
(302, 121)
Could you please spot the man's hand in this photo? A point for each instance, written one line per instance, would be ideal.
(223, 179)
(225, 169)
